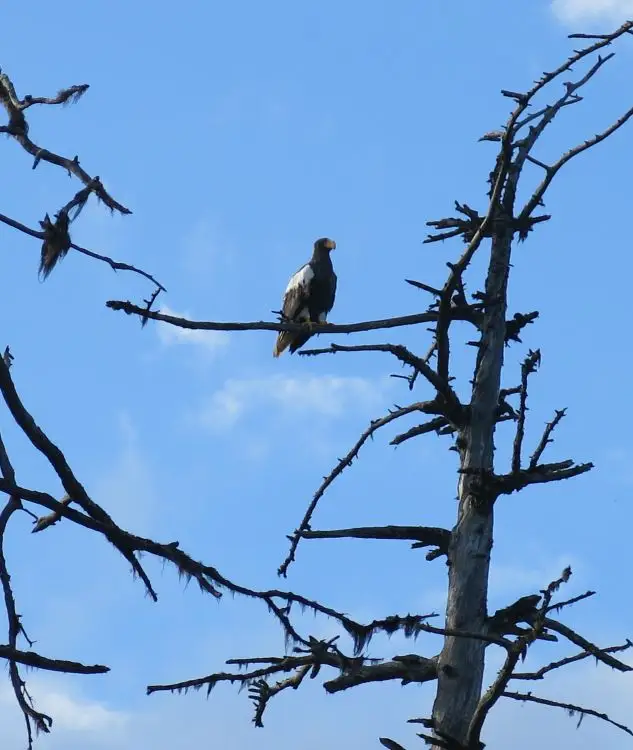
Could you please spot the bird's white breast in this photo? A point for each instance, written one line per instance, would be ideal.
(302, 278)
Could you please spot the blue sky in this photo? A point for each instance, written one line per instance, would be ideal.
(238, 133)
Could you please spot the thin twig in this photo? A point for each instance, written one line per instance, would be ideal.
(546, 438)
(530, 363)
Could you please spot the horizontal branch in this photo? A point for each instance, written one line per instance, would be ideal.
(434, 425)
(428, 536)
(413, 625)
(541, 474)
(418, 671)
(32, 659)
(262, 325)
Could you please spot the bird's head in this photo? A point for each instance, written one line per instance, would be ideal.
(324, 245)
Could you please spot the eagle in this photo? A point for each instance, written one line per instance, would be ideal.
(309, 296)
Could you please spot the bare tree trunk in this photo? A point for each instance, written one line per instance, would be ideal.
(461, 663)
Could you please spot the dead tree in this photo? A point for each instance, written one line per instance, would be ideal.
(461, 704)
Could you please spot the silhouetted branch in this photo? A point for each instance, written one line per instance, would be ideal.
(508, 483)
(115, 265)
(454, 408)
(537, 196)
(40, 721)
(530, 363)
(262, 325)
(434, 425)
(516, 651)
(427, 407)
(419, 671)
(415, 624)
(539, 674)
(390, 744)
(557, 606)
(569, 707)
(18, 129)
(352, 672)
(32, 659)
(546, 439)
(425, 535)
(583, 643)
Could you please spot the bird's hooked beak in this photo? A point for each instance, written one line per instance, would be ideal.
(330, 245)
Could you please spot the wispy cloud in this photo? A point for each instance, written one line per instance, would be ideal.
(209, 341)
(126, 487)
(70, 713)
(328, 396)
(575, 11)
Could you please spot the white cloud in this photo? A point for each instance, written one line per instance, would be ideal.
(210, 341)
(69, 713)
(328, 396)
(609, 11)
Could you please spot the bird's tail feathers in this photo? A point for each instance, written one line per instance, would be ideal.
(284, 339)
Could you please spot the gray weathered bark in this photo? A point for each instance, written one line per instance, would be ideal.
(461, 663)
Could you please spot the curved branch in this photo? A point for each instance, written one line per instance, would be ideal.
(424, 406)
(115, 265)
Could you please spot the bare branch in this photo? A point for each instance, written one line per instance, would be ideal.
(508, 483)
(418, 672)
(454, 407)
(18, 130)
(546, 439)
(425, 535)
(583, 643)
(32, 659)
(423, 406)
(64, 96)
(529, 366)
(424, 287)
(540, 673)
(115, 265)
(516, 651)
(390, 744)
(261, 325)
(569, 707)
(434, 425)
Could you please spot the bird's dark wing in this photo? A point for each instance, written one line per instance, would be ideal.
(333, 291)
(297, 294)
(296, 308)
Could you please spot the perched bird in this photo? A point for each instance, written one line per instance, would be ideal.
(309, 296)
